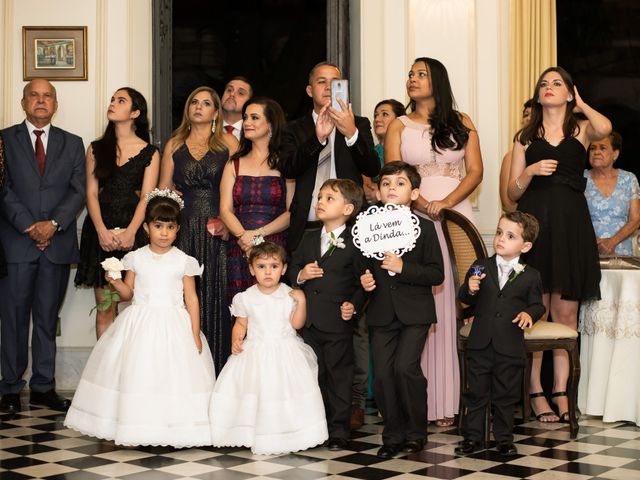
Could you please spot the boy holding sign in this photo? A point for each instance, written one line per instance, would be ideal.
(399, 314)
(326, 265)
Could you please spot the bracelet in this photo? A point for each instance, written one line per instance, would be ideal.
(518, 184)
(257, 240)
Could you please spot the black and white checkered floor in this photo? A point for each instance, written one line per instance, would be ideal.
(34, 444)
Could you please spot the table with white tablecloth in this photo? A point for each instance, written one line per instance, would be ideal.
(610, 349)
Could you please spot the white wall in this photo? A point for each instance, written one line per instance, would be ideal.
(119, 54)
(470, 38)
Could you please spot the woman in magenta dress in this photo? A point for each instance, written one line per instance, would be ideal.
(444, 146)
(254, 196)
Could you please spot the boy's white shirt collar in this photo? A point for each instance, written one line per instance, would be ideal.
(501, 261)
(337, 232)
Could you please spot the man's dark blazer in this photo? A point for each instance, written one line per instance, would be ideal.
(299, 152)
(29, 197)
(495, 309)
(340, 282)
(407, 295)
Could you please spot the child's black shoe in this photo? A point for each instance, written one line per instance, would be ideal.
(467, 447)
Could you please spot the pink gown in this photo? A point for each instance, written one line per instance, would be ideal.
(441, 173)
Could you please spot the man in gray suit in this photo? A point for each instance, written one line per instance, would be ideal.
(43, 195)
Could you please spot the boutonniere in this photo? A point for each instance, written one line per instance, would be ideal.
(335, 243)
(517, 270)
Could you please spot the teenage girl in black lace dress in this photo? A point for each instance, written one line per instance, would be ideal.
(548, 160)
(192, 163)
(122, 167)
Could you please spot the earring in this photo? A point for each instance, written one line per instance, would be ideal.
(270, 133)
(213, 126)
(188, 126)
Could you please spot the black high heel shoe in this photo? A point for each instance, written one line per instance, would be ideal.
(542, 415)
(564, 416)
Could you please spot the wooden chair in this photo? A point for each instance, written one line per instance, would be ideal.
(465, 245)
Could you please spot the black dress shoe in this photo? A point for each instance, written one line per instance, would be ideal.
(412, 446)
(49, 399)
(467, 447)
(10, 403)
(507, 449)
(334, 444)
(388, 451)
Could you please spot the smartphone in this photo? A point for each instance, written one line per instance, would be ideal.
(339, 90)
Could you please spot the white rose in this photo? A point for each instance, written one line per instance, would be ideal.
(113, 267)
(518, 268)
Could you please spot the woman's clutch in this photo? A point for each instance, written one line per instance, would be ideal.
(216, 228)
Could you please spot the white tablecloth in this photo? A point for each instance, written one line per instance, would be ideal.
(610, 349)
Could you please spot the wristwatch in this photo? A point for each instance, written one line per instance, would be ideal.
(55, 224)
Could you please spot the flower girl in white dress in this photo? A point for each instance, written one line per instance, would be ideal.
(148, 380)
(267, 395)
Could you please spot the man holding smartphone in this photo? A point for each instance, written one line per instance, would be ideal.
(326, 143)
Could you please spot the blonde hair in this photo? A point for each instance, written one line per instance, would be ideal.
(180, 134)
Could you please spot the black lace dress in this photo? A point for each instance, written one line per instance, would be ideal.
(3, 260)
(565, 253)
(199, 183)
(118, 198)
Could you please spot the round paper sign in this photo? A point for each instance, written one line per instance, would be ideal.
(388, 228)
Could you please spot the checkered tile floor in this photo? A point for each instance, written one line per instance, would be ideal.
(35, 444)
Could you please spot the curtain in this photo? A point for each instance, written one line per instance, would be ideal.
(532, 49)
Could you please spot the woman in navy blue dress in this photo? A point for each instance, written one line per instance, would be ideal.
(192, 163)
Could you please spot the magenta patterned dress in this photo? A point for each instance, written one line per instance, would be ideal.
(257, 201)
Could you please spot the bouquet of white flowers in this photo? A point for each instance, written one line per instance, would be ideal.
(114, 268)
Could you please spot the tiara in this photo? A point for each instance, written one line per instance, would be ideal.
(168, 193)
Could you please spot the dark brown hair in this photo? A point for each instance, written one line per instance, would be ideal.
(350, 190)
(268, 250)
(535, 129)
(394, 168)
(275, 118)
(527, 222)
(163, 209)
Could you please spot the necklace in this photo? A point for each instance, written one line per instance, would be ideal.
(197, 149)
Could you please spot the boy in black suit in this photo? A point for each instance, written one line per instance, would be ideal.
(507, 297)
(399, 314)
(326, 266)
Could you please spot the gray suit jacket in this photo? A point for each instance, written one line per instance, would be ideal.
(28, 197)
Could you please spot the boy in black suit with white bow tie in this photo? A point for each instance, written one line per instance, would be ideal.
(507, 298)
(326, 266)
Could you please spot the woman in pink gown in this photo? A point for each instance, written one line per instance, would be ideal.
(443, 144)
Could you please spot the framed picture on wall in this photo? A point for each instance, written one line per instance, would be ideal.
(54, 53)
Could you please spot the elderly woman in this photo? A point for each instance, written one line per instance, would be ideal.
(613, 197)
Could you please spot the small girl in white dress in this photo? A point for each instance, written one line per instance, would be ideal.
(267, 395)
(148, 380)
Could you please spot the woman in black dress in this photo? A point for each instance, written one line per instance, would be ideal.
(122, 167)
(548, 161)
(192, 163)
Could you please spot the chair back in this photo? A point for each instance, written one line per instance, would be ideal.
(464, 243)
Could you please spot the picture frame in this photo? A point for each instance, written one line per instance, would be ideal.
(54, 53)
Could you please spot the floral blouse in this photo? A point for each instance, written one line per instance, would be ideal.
(610, 214)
